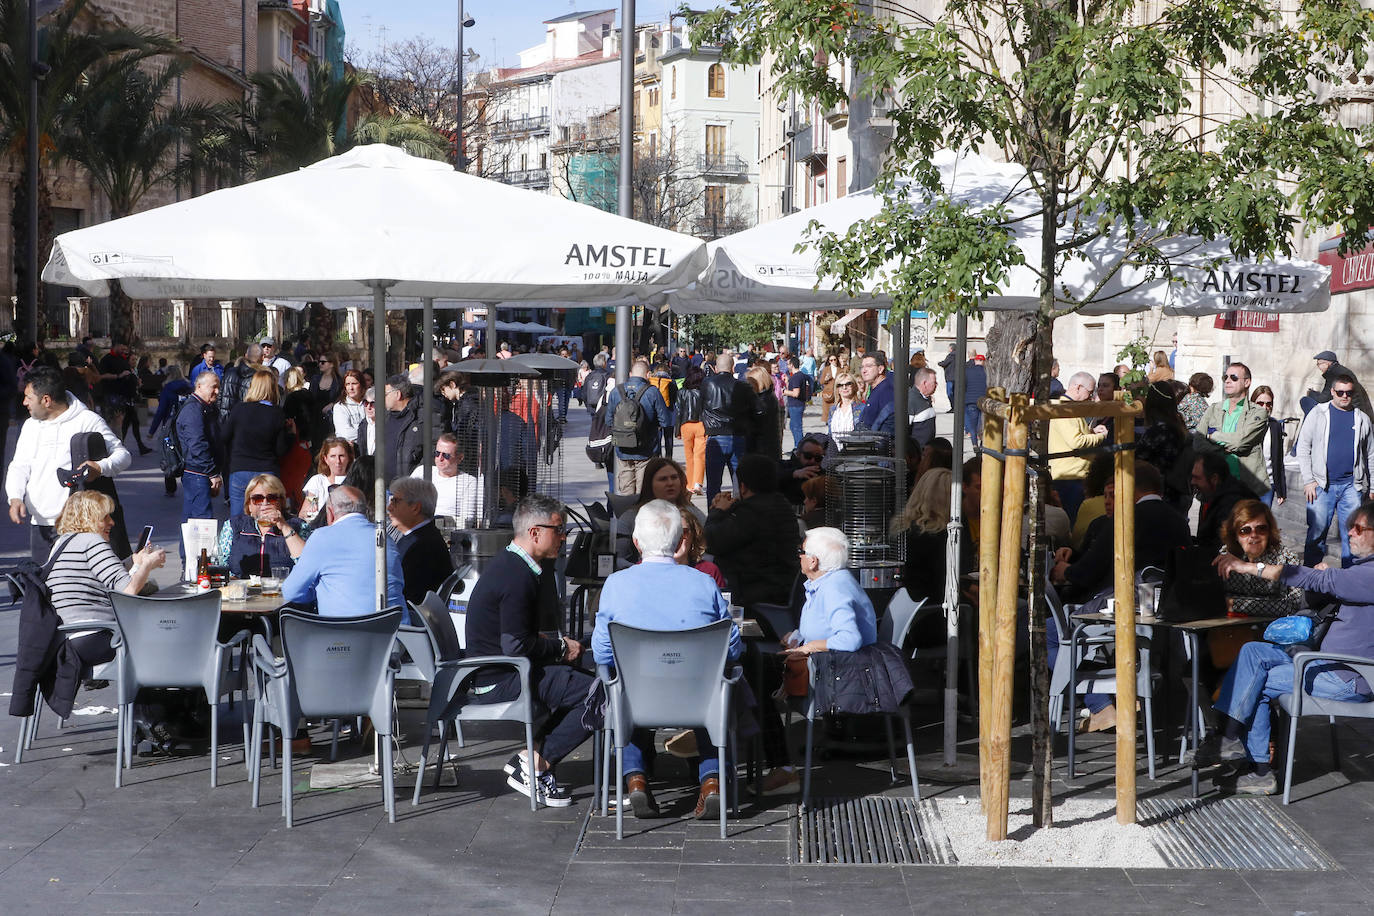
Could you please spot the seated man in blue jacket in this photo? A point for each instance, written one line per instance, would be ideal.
(337, 569)
(1263, 671)
(660, 594)
(837, 614)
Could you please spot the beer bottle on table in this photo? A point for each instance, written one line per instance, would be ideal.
(203, 571)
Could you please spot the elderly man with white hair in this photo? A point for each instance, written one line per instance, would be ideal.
(1068, 434)
(660, 594)
(837, 614)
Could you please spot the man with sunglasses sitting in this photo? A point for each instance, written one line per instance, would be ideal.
(459, 490)
(804, 465)
(1336, 457)
(1236, 428)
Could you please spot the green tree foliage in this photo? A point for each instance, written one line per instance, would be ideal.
(1099, 101)
(731, 330)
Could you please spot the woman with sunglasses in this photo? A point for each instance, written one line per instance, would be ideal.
(1263, 398)
(1252, 534)
(261, 537)
(847, 404)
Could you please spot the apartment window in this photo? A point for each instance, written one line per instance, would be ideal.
(653, 144)
(284, 44)
(715, 207)
(715, 141)
(672, 89)
(841, 176)
(672, 141)
(715, 81)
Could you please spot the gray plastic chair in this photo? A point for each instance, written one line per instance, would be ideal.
(332, 668)
(449, 695)
(433, 640)
(172, 642)
(28, 725)
(1300, 703)
(892, 629)
(670, 678)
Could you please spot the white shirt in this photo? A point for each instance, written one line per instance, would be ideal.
(318, 487)
(46, 445)
(279, 365)
(347, 415)
(460, 496)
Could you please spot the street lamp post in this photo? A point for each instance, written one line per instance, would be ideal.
(28, 326)
(464, 22)
(625, 199)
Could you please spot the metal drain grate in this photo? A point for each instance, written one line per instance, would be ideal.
(1243, 833)
(872, 830)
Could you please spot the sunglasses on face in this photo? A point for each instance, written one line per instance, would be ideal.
(811, 456)
(264, 498)
(443, 456)
(1342, 392)
(1247, 530)
(1265, 403)
(1236, 378)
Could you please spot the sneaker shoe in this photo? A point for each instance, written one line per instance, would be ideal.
(1215, 749)
(683, 744)
(1255, 784)
(546, 789)
(781, 782)
(516, 762)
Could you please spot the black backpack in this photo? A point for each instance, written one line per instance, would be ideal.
(599, 443)
(630, 427)
(170, 456)
(593, 387)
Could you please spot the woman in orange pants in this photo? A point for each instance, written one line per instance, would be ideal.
(691, 431)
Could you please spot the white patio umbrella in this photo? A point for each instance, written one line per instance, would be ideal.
(761, 270)
(377, 220)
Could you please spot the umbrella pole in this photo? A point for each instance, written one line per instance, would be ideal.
(491, 330)
(956, 530)
(379, 423)
(427, 324)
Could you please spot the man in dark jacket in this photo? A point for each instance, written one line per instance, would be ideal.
(975, 388)
(1330, 367)
(947, 367)
(237, 378)
(197, 430)
(1218, 492)
(754, 539)
(405, 433)
(920, 408)
(425, 558)
(726, 409)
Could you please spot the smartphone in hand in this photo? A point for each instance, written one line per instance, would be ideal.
(144, 538)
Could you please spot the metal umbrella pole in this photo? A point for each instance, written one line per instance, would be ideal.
(379, 288)
(427, 379)
(491, 330)
(952, 548)
(624, 197)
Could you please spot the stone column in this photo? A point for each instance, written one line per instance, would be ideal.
(78, 316)
(274, 324)
(229, 321)
(181, 320)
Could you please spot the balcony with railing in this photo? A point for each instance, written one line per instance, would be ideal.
(525, 178)
(722, 164)
(514, 127)
(810, 143)
(837, 115)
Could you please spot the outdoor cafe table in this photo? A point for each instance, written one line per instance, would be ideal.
(1192, 631)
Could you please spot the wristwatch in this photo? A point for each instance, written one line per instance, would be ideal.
(1259, 569)
(563, 650)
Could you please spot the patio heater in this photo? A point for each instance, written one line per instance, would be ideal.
(860, 500)
(508, 443)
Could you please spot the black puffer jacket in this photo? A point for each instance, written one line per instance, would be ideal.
(234, 386)
(872, 679)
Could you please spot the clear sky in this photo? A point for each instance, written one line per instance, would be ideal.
(503, 29)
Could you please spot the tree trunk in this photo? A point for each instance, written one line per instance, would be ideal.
(30, 319)
(123, 314)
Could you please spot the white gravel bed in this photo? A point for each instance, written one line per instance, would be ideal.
(1085, 835)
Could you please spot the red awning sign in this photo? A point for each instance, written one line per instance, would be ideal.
(1263, 322)
(1349, 273)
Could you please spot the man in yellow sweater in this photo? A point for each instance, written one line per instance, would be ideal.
(1073, 433)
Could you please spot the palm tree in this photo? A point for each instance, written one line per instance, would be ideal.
(70, 57)
(409, 133)
(129, 143)
(286, 126)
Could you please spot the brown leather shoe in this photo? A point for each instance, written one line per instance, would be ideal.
(641, 799)
(708, 802)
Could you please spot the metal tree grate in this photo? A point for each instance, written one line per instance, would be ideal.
(872, 830)
(1242, 833)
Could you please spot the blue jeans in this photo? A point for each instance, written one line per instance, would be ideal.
(1094, 702)
(643, 740)
(195, 501)
(973, 423)
(238, 485)
(1070, 496)
(721, 451)
(949, 392)
(794, 422)
(1340, 501)
(1262, 672)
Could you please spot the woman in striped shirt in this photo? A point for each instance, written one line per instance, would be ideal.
(85, 569)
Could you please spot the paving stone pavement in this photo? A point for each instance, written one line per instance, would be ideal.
(167, 843)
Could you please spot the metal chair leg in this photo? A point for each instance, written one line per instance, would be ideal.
(1288, 766)
(1335, 746)
(420, 773)
(530, 774)
(911, 758)
(721, 757)
(891, 749)
(619, 793)
(286, 788)
(806, 772)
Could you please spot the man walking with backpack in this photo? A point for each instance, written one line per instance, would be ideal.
(638, 414)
